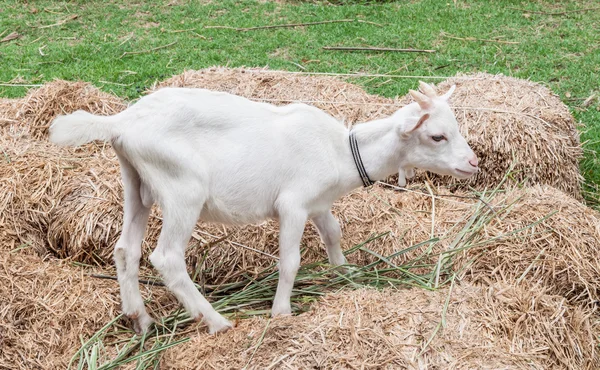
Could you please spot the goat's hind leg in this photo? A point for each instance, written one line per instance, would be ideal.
(181, 210)
(128, 249)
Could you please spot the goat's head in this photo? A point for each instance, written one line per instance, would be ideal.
(431, 132)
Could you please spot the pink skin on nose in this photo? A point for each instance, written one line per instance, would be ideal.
(474, 161)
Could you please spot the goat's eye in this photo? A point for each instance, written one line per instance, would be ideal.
(438, 138)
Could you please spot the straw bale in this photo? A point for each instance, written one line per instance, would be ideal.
(31, 179)
(560, 253)
(500, 326)
(508, 120)
(48, 305)
(42, 105)
(343, 100)
(44, 308)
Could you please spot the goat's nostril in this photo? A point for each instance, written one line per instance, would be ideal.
(474, 162)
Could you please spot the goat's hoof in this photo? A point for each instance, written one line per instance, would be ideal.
(281, 311)
(220, 325)
(338, 262)
(348, 270)
(280, 316)
(141, 323)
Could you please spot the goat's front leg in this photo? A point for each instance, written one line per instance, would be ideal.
(290, 233)
(331, 235)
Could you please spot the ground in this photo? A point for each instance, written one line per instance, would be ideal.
(124, 47)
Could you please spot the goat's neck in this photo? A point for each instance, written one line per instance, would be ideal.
(379, 148)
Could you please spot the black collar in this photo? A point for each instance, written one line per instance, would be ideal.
(358, 161)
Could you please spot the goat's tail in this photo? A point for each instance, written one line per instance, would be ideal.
(81, 127)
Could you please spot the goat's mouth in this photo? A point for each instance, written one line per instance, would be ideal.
(465, 174)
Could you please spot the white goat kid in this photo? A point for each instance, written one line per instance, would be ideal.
(223, 158)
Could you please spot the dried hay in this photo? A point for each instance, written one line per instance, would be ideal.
(41, 106)
(31, 179)
(48, 306)
(44, 308)
(69, 201)
(343, 100)
(501, 326)
(31, 170)
(8, 111)
(560, 253)
(513, 121)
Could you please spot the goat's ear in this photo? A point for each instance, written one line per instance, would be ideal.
(448, 94)
(427, 89)
(409, 131)
(423, 100)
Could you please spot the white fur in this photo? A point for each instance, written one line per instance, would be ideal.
(224, 158)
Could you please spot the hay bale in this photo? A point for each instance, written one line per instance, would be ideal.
(41, 106)
(347, 102)
(31, 169)
(30, 183)
(508, 120)
(502, 326)
(48, 305)
(560, 253)
(45, 307)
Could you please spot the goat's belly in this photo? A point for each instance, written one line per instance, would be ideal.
(215, 210)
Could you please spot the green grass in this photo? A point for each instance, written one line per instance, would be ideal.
(559, 51)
